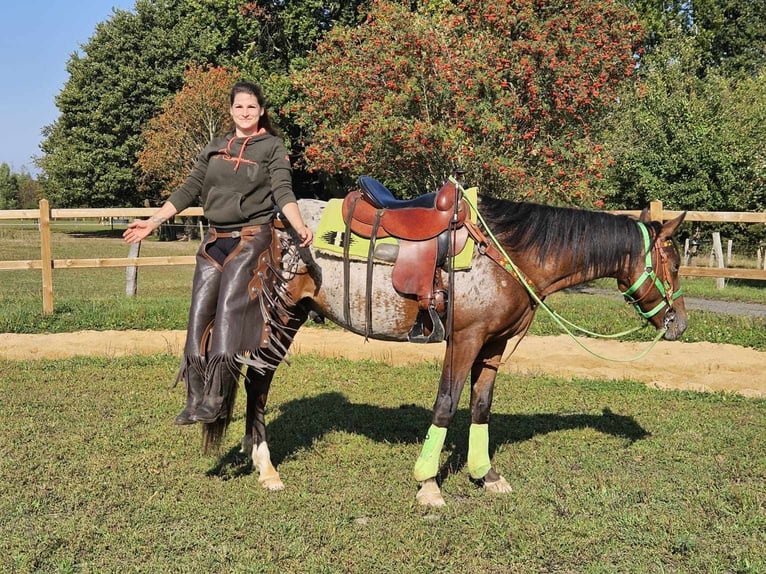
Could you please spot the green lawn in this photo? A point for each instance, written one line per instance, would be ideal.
(606, 477)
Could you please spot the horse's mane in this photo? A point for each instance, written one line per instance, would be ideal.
(597, 240)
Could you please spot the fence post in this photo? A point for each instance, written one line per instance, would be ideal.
(46, 256)
(131, 272)
(718, 252)
(655, 211)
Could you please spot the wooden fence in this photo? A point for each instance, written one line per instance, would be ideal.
(44, 215)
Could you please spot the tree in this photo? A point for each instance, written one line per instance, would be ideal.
(129, 67)
(507, 91)
(29, 191)
(187, 123)
(9, 188)
(729, 34)
(732, 34)
(136, 60)
(18, 190)
(694, 143)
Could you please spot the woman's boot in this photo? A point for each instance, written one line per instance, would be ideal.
(207, 279)
(195, 386)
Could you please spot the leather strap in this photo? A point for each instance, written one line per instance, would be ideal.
(347, 264)
(370, 267)
(248, 231)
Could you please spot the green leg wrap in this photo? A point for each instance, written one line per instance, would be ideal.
(478, 451)
(427, 465)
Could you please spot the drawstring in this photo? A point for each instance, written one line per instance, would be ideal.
(241, 151)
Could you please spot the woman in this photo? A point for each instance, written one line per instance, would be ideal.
(239, 179)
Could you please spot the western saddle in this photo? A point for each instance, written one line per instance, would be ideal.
(429, 228)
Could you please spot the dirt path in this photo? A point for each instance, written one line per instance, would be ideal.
(691, 366)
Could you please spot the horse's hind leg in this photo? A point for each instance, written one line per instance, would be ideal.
(483, 376)
(254, 442)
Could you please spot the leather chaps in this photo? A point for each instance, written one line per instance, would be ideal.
(232, 310)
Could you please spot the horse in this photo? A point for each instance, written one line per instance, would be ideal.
(552, 248)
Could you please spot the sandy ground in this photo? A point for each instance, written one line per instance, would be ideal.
(690, 366)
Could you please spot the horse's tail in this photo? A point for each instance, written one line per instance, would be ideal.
(214, 433)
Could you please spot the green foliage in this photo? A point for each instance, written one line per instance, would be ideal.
(694, 143)
(291, 30)
(607, 476)
(128, 68)
(732, 34)
(728, 34)
(188, 121)
(18, 190)
(506, 91)
(9, 188)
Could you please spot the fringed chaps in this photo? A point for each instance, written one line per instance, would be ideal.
(236, 317)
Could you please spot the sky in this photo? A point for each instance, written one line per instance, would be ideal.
(37, 39)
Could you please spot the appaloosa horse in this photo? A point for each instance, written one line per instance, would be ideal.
(552, 247)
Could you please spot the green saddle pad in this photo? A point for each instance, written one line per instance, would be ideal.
(329, 235)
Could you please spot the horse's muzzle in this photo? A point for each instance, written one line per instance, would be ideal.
(674, 324)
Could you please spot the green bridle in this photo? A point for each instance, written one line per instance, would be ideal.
(662, 285)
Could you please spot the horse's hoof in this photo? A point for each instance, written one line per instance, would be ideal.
(429, 494)
(271, 482)
(499, 486)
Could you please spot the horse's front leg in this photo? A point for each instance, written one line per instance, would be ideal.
(457, 361)
(254, 442)
(483, 376)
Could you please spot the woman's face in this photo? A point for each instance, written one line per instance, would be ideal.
(246, 113)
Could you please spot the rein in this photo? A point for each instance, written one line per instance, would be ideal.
(508, 265)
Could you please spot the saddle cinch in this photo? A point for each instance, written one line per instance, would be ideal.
(429, 229)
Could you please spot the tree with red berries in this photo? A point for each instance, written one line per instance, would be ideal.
(508, 91)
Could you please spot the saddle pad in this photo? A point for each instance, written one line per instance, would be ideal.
(329, 235)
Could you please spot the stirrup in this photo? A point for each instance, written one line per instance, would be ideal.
(417, 333)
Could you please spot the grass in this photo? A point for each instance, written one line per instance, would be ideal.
(608, 314)
(93, 298)
(607, 477)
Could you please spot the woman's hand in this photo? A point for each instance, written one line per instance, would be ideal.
(141, 228)
(138, 230)
(293, 215)
(306, 236)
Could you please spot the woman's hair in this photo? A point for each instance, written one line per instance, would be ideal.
(255, 90)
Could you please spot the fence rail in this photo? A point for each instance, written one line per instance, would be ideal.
(45, 215)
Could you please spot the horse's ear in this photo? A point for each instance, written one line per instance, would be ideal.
(644, 217)
(670, 227)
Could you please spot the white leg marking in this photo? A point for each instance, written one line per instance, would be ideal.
(267, 474)
(500, 486)
(429, 494)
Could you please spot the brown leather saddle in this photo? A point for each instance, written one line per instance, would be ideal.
(430, 228)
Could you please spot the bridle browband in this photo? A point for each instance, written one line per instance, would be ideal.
(662, 285)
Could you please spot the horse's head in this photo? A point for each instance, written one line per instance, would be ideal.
(651, 283)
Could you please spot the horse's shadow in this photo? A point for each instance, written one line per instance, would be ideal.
(303, 421)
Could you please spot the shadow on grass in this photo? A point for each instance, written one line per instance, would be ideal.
(232, 464)
(303, 421)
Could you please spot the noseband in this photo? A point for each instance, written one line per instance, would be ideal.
(663, 285)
